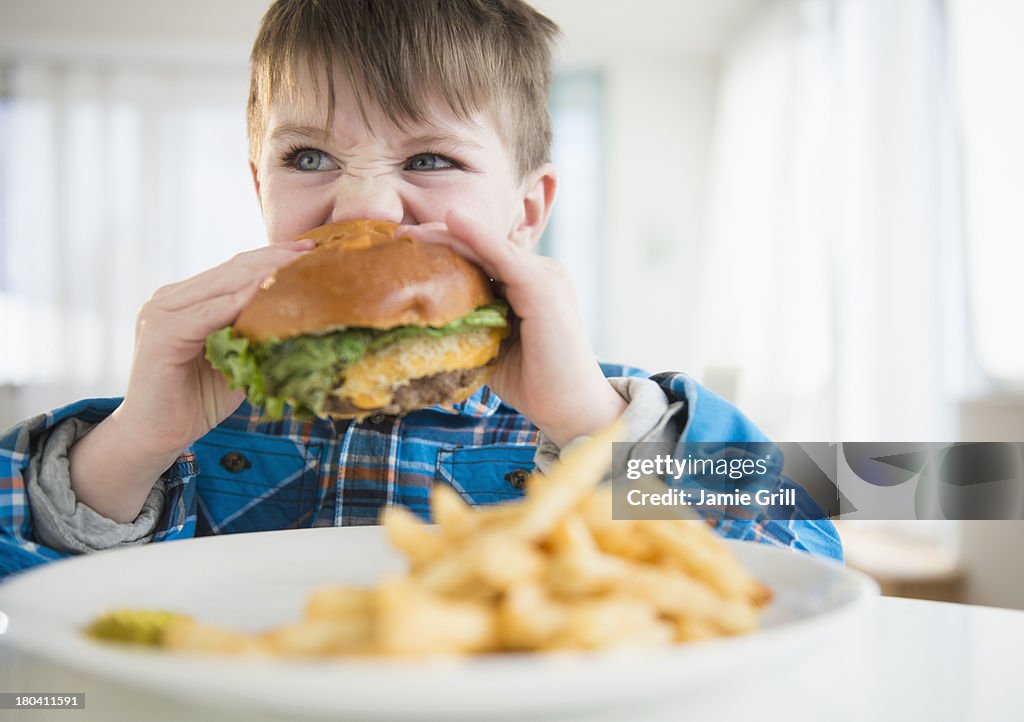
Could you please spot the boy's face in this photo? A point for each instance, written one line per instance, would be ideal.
(410, 175)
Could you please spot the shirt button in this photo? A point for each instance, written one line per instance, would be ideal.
(235, 462)
(518, 478)
(377, 419)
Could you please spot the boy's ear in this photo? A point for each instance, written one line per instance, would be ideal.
(538, 199)
(256, 182)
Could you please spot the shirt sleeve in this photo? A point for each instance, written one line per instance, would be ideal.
(649, 416)
(672, 407)
(710, 419)
(61, 521)
(40, 520)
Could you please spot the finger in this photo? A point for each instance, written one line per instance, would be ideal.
(230, 276)
(239, 270)
(532, 283)
(508, 262)
(257, 256)
(296, 244)
(438, 233)
(528, 281)
(410, 230)
(215, 313)
(194, 323)
(219, 401)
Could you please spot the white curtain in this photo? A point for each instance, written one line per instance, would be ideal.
(834, 266)
(988, 57)
(116, 179)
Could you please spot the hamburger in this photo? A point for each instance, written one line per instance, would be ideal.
(365, 323)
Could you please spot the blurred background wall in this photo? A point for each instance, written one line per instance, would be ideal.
(814, 206)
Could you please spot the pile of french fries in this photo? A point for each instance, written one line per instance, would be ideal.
(551, 572)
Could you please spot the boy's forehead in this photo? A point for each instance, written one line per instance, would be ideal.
(303, 105)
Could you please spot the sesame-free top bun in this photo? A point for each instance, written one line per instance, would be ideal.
(359, 275)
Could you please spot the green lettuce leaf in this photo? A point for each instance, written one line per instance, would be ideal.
(303, 370)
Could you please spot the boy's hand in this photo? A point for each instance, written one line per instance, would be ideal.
(174, 396)
(548, 373)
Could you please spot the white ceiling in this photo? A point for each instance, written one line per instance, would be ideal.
(593, 29)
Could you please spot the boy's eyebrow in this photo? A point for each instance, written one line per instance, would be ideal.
(307, 131)
(442, 139)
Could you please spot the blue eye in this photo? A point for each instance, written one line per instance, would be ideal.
(309, 159)
(429, 161)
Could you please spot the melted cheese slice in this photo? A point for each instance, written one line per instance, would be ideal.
(371, 381)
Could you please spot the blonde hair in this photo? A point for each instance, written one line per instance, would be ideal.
(476, 55)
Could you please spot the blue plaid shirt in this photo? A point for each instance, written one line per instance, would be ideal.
(252, 475)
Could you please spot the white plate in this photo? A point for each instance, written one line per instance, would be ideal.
(251, 581)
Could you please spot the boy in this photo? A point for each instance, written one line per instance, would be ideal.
(431, 114)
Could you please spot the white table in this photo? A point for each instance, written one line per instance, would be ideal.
(915, 660)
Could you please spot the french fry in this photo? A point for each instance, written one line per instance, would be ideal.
(611, 622)
(619, 538)
(451, 513)
(578, 568)
(451, 574)
(343, 635)
(331, 603)
(494, 516)
(416, 622)
(495, 560)
(528, 618)
(410, 535)
(567, 483)
(692, 547)
(596, 508)
(678, 597)
(192, 636)
(571, 535)
(692, 630)
(501, 561)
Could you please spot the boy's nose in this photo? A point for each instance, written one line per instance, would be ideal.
(359, 199)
